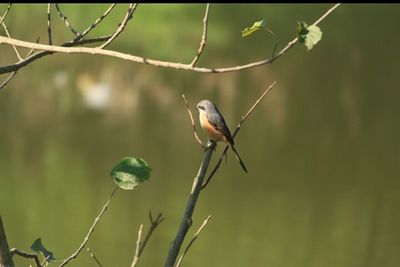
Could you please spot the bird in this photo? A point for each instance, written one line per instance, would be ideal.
(212, 121)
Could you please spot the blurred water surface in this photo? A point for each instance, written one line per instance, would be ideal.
(322, 148)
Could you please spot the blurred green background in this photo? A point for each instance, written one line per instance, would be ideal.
(322, 148)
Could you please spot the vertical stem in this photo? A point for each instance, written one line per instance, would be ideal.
(5, 259)
(186, 221)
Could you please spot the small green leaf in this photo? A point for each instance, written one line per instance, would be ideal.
(256, 26)
(302, 31)
(313, 37)
(130, 172)
(38, 247)
(308, 35)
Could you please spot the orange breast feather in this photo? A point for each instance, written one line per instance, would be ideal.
(211, 131)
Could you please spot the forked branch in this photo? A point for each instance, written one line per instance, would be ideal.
(143, 60)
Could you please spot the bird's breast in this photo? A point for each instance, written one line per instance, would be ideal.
(213, 133)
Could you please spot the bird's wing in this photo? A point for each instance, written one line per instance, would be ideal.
(218, 122)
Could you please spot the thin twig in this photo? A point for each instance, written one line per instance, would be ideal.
(244, 117)
(158, 63)
(49, 23)
(9, 78)
(142, 245)
(9, 36)
(153, 226)
(67, 23)
(203, 37)
(86, 239)
(93, 256)
(136, 257)
(192, 121)
(192, 240)
(27, 255)
(96, 22)
(128, 16)
(4, 84)
(46, 260)
(2, 18)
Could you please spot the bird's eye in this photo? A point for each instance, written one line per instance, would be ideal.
(201, 107)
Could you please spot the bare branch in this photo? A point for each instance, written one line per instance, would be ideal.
(2, 18)
(244, 117)
(26, 61)
(9, 36)
(153, 226)
(192, 240)
(138, 244)
(96, 22)
(4, 84)
(142, 245)
(158, 63)
(193, 124)
(136, 257)
(128, 16)
(186, 221)
(327, 13)
(49, 23)
(86, 239)
(65, 20)
(93, 256)
(27, 255)
(203, 37)
(9, 78)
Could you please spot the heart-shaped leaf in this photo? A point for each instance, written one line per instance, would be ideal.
(308, 35)
(130, 172)
(313, 37)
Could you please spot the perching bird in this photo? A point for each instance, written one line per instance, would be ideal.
(213, 123)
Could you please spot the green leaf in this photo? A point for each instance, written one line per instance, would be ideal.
(256, 26)
(313, 37)
(130, 172)
(38, 247)
(302, 31)
(308, 35)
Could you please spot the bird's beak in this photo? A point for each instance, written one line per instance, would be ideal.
(196, 108)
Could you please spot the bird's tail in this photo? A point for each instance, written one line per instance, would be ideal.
(239, 159)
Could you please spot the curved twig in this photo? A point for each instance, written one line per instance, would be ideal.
(96, 22)
(91, 229)
(192, 121)
(128, 16)
(65, 20)
(27, 255)
(203, 37)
